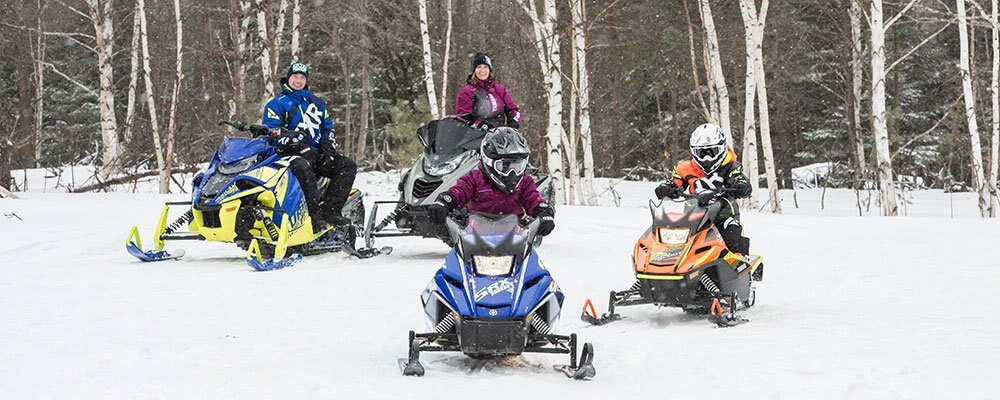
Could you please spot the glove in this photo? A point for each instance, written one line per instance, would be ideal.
(547, 215)
(667, 190)
(440, 209)
(740, 190)
(705, 197)
(287, 140)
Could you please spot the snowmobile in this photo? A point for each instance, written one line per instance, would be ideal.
(493, 298)
(247, 195)
(682, 261)
(451, 149)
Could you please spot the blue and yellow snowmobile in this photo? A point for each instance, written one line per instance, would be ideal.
(247, 195)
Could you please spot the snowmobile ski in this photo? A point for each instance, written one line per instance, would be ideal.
(134, 247)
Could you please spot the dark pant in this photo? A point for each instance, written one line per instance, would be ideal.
(307, 180)
(728, 224)
(341, 171)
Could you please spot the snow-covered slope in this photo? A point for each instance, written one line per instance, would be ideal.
(851, 307)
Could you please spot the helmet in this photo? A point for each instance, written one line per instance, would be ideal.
(708, 147)
(504, 157)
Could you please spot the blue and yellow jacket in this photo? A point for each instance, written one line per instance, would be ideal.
(300, 110)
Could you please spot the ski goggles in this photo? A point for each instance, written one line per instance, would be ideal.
(708, 153)
(506, 166)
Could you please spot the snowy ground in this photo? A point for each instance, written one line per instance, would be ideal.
(851, 307)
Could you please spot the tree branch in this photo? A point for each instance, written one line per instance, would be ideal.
(885, 28)
(927, 132)
(914, 49)
(73, 81)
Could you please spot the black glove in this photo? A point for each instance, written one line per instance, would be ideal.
(547, 215)
(288, 141)
(667, 190)
(706, 197)
(439, 209)
(740, 190)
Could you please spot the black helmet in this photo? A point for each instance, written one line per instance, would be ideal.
(504, 157)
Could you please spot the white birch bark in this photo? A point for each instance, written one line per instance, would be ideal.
(296, 15)
(857, 77)
(970, 109)
(279, 32)
(583, 92)
(242, 45)
(39, 84)
(995, 96)
(150, 99)
(168, 157)
(712, 46)
(765, 116)
(265, 53)
(133, 79)
(547, 47)
(446, 60)
(100, 12)
(425, 44)
(749, 111)
(887, 188)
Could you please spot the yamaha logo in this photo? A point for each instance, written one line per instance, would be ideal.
(493, 313)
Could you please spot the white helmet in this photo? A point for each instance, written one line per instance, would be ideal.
(708, 147)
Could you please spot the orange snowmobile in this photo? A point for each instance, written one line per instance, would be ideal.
(682, 261)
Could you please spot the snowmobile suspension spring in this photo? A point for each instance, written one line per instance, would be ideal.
(180, 221)
(446, 324)
(636, 286)
(388, 218)
(539, 324)
(272, 230)
(707, 282)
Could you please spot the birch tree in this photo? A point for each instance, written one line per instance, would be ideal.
(995, 97)
(425, 43)
(265, 52)
(39, 66)
(150, 99)
(101, 14)
(970, 109)
(583, 94)
(547, 46)
(168, 157)
(278, 34)
(887, 189)
(857, 78)
(715, 61)
(296, 13)
(446, 59)
(749, 111)
(133, 77)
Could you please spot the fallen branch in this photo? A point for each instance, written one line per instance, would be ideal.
(127, 179)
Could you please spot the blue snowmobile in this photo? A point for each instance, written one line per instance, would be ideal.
(247, 195)
(493, 298)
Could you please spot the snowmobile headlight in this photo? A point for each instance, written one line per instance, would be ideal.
(237, 166)
(493, 265)
(443, 168)
(673, 235)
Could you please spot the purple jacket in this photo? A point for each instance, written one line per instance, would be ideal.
(476, 192)
(501, 102)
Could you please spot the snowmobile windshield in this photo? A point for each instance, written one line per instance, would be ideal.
(449, 138)
(236, 149)
(494, 235)
(682, 213)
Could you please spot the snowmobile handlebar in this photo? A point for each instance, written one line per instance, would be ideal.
(254, 129)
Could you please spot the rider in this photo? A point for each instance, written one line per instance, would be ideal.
(713, 167)
(297, 109)
(485, 98)
(498, 185)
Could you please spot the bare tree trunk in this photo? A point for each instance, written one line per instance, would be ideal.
(243, 36)
(168, 157)
(765, 117)
(970, 110)
(583, 92)
(366, 87)
(995, 96)
(712, 46)
(39, 84)
(570, 139)
(748, 10)
(547, 46)
(296, 13)
(706, 113)
(425, 43)
(133, 78)
(857, 78)
(887, 188)
(100, 12)
(279, 32)
(445, 61)
(349, 103)
(150, 99)
(265, 53)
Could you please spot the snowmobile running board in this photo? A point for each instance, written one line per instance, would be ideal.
(561, 345)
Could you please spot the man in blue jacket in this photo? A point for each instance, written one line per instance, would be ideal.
(297, 109)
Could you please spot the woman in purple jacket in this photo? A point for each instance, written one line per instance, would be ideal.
(498, 185)
(486, 99)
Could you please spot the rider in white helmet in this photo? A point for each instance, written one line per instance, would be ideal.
(712, 169)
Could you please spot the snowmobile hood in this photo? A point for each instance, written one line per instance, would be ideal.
(235, 149)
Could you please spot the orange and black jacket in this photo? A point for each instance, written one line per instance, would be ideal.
(689, 175)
